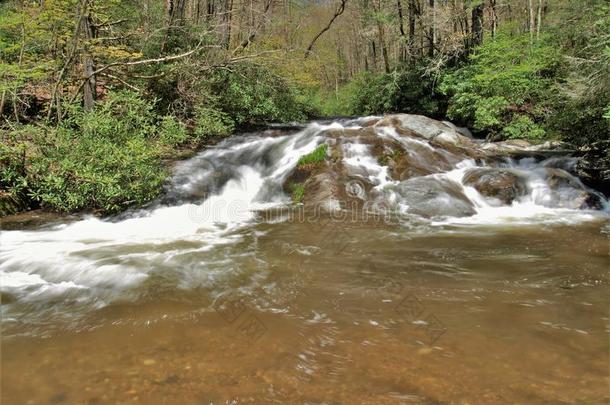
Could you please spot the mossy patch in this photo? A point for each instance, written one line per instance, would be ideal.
(314, 158)
(307, 166)
(297, 192)
(391, 157)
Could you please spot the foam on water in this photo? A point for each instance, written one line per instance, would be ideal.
(213, 198)
(101, 259)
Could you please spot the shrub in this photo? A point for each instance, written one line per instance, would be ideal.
(522, 127)
(507, 83)
(211, 122)
(408, 90)
(252, 93)
(107, 159)
(172, 132)
(581, 120)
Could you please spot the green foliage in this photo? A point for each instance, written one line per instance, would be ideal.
(122, 115)
(211, 122)
(408, 90)
(324, 104)
(316, 157)
(522, 127)
(172, 132)
(505, 87)
(583, 104)
(12, 166)
(107, 159)
(251, 93)
(581, 120)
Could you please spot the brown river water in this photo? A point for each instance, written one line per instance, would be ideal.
(248, 303)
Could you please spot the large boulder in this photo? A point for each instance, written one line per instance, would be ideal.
(568, 191)
(400, 163)
(501, 184)
(429, 196)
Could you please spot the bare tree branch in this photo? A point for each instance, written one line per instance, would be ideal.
(337, 13)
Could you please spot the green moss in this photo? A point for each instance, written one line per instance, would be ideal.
(393, 156)
(315, 157)
(297, 192)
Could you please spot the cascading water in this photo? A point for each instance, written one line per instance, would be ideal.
(213, 198)
(461, 261)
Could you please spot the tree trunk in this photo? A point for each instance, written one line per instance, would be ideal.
(170, 10)
(531, 20)
(381, 35)
(432, 30)
(494, 18)
(2, 102)
(374, 55)
(401, 27)
(89, 89)
(411, 27)
(539, 18)
(226, 26)
(477, 25)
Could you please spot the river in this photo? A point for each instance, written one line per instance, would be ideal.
(226, 292)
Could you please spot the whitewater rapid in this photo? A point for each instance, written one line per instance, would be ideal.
(213, 201)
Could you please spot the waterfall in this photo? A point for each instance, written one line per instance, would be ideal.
(411, 169)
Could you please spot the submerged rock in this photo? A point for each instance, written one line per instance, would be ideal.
(430, 196)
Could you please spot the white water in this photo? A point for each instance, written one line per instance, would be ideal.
(212, 203)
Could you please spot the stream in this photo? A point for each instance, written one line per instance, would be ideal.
(421, 267)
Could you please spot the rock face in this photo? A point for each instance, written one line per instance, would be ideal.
(412, 164)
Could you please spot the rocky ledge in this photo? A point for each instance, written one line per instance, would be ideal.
(420, 165)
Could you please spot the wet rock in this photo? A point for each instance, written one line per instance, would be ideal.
(406, 155)
(568, 191)
(427, 128)
(522, 147)
(322, 192)
(36, 218)
(10, 204)
(419, 124)
(501, 184)
(430, 196)
(462, 130)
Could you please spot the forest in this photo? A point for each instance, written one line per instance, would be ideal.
(97, 96)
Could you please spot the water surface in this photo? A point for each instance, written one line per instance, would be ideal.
(225, 293)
